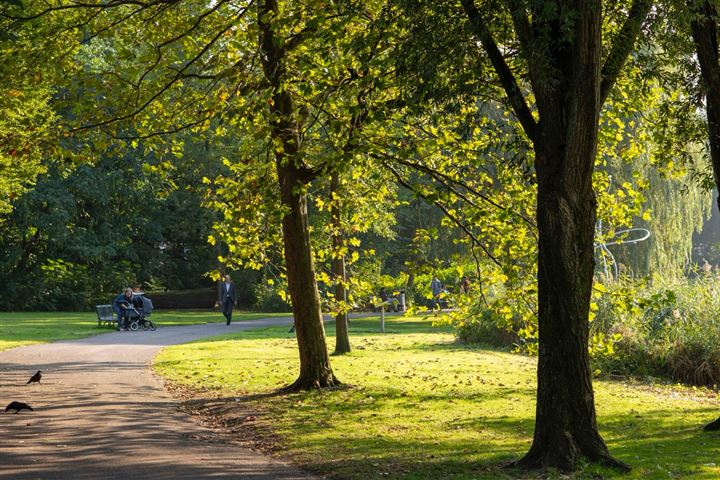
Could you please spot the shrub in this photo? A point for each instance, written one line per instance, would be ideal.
(268, 298)
(483, 328)
(199, 298)
(664, 327)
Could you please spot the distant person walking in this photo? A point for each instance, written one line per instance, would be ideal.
(436, 288)
(465, 285)
(228, 298)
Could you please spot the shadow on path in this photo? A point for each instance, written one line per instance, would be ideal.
(101, 414)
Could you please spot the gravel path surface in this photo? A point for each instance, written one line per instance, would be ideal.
(101, 414)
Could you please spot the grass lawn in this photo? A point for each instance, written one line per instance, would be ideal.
(25, 328)
(420, 406)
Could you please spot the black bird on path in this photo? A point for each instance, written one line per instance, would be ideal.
(714, 425)
(35, 378)
(17, 406)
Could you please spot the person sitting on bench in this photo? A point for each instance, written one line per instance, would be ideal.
(122, 306)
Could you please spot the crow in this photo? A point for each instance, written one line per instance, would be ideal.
(35, 378)
(17, 406)
(714, 425)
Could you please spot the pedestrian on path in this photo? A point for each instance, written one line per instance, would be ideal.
(436, 288)
(228, 298)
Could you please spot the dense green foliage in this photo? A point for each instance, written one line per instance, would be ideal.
(84, 233)
(665, 327)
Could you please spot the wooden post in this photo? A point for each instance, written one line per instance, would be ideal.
(382, 318)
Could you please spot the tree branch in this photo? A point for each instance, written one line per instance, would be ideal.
(523, 29)
(447, 213)
(448, 181)
(507, 79)
(705, 37)
(623, 45)
(171, 82)
(169, 131)
(75, 5)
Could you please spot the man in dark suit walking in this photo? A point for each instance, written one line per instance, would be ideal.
(228, 298)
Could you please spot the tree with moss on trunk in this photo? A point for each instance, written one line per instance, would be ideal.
(293, 178)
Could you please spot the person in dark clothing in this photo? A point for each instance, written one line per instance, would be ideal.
(121, 306)
(138, 300)
(383, 294)
(228, 298)
(437, 289)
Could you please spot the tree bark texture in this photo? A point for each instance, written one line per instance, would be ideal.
(704, 33)
(342, 337)
(565, 424)
(563, 49)
(293, 177)
(315, 371)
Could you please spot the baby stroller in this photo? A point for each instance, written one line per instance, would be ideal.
(139, 316)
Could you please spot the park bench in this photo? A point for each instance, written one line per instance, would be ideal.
(106, 315)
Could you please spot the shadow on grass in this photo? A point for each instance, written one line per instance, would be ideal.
(660, 442)
(665, 452)
(657, 443)
(365, 454)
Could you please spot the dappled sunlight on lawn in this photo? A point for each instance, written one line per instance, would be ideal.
(416, 404)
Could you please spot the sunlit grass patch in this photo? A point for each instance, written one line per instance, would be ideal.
(420, 406)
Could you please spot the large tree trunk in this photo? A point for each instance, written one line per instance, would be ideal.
(293, 177)
(562, 46)
(342, 337)
(565, 425)
(704, 32)
(315, 371)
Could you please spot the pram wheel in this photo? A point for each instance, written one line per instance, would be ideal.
(134, 326)
(151, 325)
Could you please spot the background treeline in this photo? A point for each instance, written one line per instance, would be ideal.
(85, 231)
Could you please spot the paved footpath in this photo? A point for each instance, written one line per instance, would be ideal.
(100, 413)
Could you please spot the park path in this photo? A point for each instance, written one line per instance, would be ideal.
(100, 413)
